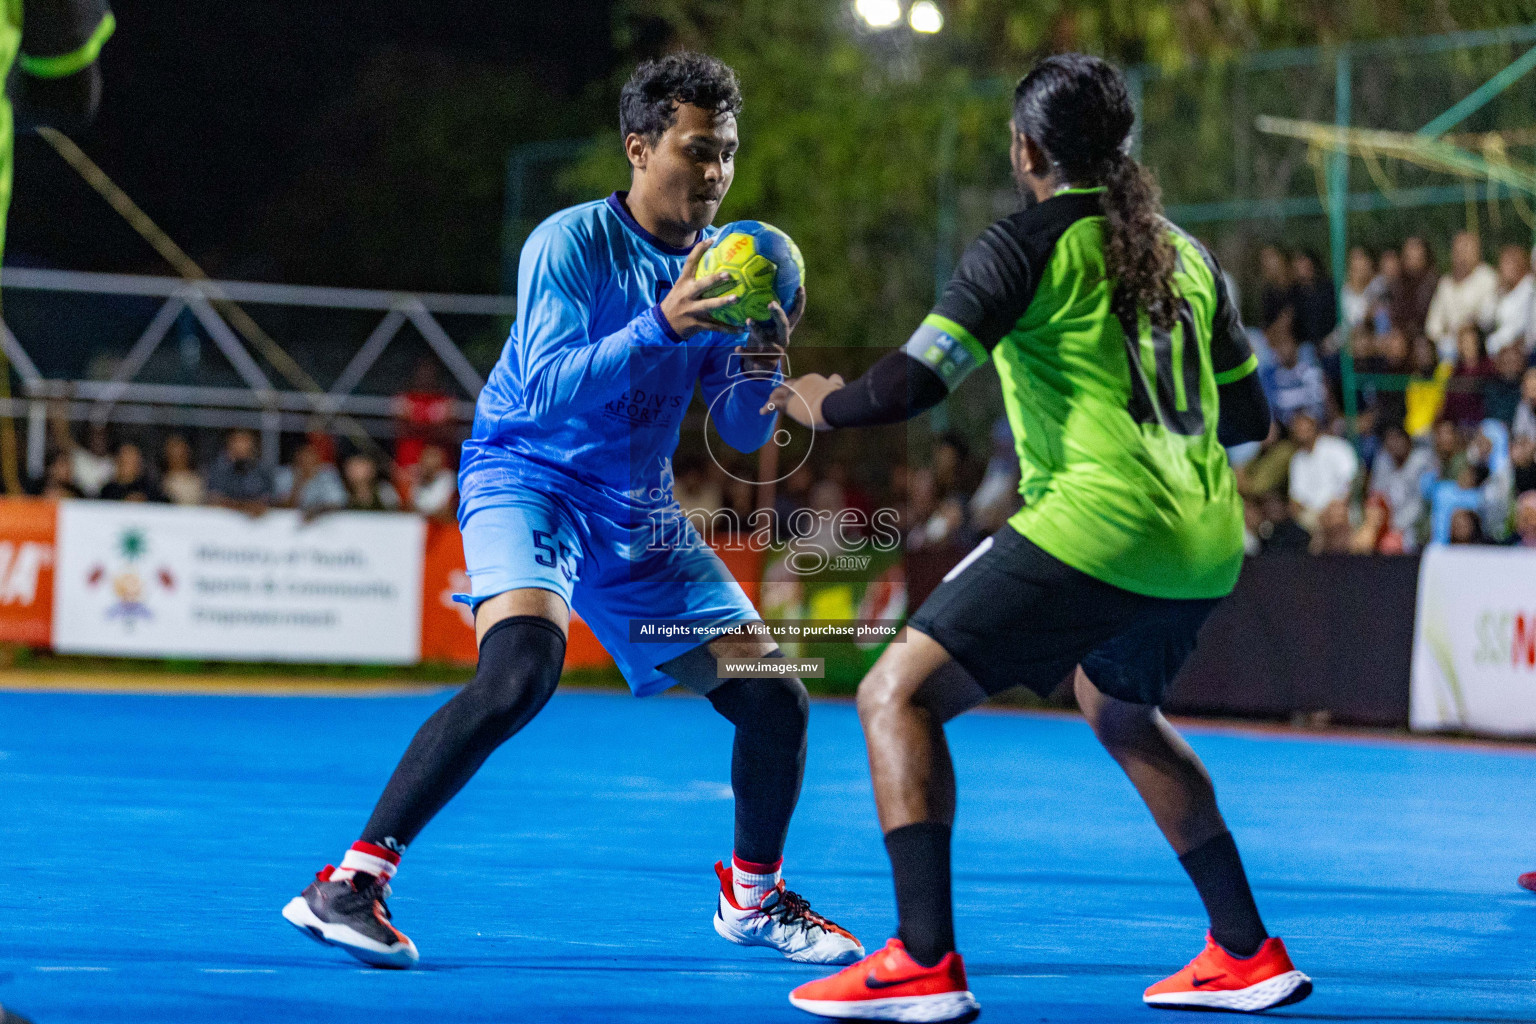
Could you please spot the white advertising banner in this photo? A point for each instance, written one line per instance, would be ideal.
(1474, 642)
(163, 581)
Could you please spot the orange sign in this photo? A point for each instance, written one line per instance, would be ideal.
(448, 631)
(27, 528)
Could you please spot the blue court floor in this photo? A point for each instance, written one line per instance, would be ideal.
(147, 844)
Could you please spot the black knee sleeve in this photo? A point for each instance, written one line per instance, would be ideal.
(776, 704)
(768, 761)
(520, 661)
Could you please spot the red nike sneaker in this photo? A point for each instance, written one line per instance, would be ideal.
(889, 985)
(1528, 881)
(1217, 980)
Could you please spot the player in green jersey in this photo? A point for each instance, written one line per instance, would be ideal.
(1124, 369)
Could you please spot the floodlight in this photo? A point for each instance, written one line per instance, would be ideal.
(926, 17)
(878, 13)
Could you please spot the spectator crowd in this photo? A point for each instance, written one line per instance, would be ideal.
(1443, 448)
(317, 479)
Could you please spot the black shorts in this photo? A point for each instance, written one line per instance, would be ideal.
(1013, 615)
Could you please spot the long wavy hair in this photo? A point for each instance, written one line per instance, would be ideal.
(1078, 110)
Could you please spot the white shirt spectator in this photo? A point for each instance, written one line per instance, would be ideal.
(432, 496)
(90, 472)
(1512, 316)
(1400, 487)
(1324, 474)
(1458, 303)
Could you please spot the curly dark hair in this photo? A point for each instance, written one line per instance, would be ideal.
(648, 104)
(1078, 110)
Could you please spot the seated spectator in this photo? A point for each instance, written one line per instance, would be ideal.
(1267, 470)
(1414, 288)
(1447, 497)
(1276, 529)
(1322, 470)
(1525, 521)
(1389, 268)
(181, 482)
(423, 414)
(1312, 297)
(1466, 528)
(1357, 296)
(130, 480)
(1522, 461)
(1275, 289)
(1489, 453)
(1464, 392)
(1464, 296)
(310, 485)
(434, 486)
(1511, 321)
(1450, 450)
(1383, 353)
(1424, 397)
(365, 491)
(1523, 426)
(1334, 532)
(1501, 392)
(58, 479)
(92, 466)
(1376, 534)
(1292, 383)
(238, 480)
(1395, 476)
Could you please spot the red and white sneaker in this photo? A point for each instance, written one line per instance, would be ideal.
(1217, 980)
(1528, 881)
(889, 985)
(783, 921)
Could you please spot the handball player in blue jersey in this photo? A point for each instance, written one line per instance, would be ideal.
(566, 502)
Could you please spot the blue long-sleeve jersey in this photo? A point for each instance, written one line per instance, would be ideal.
(589, 394)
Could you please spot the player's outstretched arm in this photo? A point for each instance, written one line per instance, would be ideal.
(60, 83)
(992, 285)
(738, 383)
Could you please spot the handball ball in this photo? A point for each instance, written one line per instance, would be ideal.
(764, 264)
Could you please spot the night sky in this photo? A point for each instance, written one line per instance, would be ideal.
(206, 106)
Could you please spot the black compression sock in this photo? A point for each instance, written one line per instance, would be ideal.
(920, 863)
(1217, 872)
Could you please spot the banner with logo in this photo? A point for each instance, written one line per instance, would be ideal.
(162, 581)
(26, 571)
(1474, 645)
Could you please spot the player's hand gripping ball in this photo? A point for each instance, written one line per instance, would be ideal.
(764, 263)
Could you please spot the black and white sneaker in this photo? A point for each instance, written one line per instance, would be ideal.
(350, 914)
(783, 921)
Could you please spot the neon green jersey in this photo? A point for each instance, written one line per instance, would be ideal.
(1122, 474)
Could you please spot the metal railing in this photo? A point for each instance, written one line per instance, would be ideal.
(259, 405)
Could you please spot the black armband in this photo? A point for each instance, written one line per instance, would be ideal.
(896, 388)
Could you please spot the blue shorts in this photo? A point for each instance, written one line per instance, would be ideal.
(607, 572)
